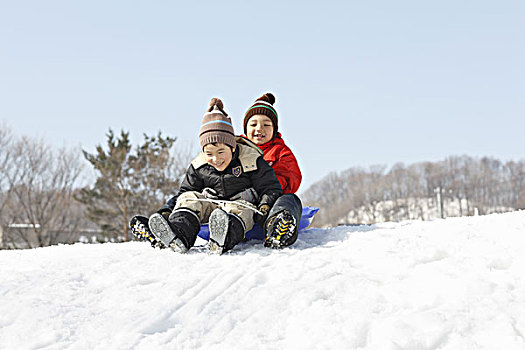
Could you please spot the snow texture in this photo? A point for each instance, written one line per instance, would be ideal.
(457, 283)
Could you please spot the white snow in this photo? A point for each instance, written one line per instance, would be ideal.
(457, 283)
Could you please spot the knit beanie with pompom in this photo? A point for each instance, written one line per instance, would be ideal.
(263, 105)
(216, 126)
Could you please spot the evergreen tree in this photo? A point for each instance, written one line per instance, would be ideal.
(129, 182)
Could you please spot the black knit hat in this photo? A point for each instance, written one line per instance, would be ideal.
(216, 126)
(263, 105)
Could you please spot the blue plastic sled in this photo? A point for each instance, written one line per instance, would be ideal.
(257, 232)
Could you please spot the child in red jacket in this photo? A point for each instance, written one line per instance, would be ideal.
(261, 127)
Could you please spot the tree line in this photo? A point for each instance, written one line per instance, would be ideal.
(456, 186)
(46, 197)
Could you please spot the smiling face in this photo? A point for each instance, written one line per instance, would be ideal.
(259, 129)
(218, 155)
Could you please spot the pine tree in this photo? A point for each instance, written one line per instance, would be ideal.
(129, 182)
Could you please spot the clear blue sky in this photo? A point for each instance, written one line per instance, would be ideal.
(357, 82)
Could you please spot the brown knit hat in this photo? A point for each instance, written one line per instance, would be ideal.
(263, 105)
(216, 126)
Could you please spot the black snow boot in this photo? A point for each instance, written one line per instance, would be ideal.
(226, 230)
(179, 232)
(282, 225)
(281, 230)
(140, 229)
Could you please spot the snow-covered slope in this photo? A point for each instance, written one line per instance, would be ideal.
(454, 284)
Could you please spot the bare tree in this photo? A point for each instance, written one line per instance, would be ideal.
(38, 207)
(6, 140)
(464, 185)
(516, 178)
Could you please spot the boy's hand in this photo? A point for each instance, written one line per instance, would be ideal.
(260, 219)
(210, 193)
(265, 208)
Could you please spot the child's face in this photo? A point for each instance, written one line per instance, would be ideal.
(259, 129)
(218, 156)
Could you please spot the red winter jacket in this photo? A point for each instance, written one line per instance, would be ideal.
(283, 162)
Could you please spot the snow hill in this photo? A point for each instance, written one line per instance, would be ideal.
(457, 283)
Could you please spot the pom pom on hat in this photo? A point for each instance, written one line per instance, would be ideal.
(217, 102)
(268, 97)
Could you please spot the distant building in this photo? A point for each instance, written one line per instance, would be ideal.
(23, 236)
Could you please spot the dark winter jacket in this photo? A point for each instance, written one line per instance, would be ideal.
(247, 169)
(282, 160)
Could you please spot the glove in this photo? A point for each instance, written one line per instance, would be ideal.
(264, 208)
(165, 212)
(249, 195)
(260, 219)
(210, 193)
